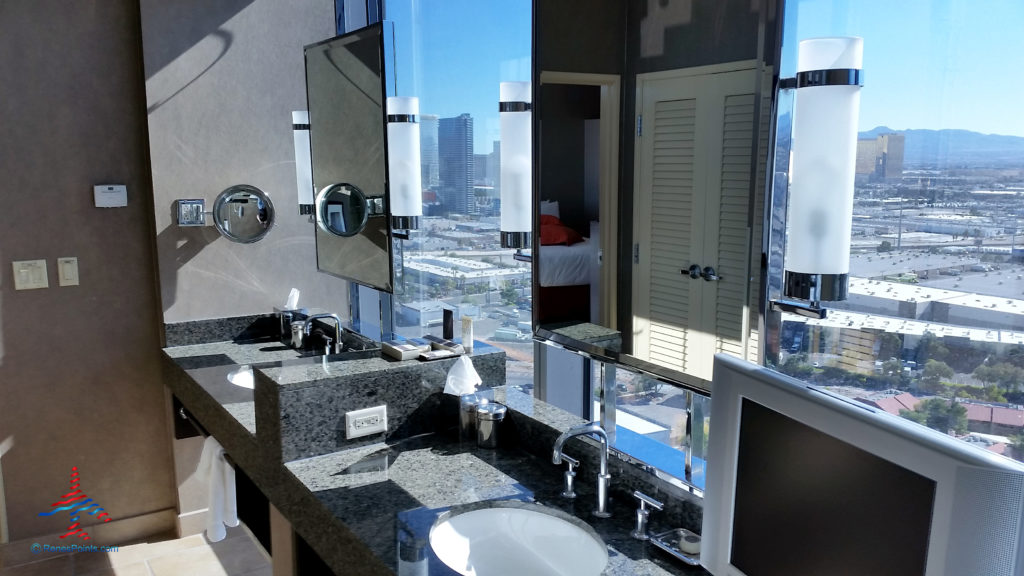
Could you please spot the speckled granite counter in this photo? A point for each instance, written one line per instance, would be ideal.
(364, 508)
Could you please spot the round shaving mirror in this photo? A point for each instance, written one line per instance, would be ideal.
(341, 209)
(243, 213)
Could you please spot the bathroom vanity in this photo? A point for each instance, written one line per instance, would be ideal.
(367, 505)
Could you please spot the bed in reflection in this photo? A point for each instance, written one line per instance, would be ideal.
(568, 271)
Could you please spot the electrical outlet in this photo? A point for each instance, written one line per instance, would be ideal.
(365, 422)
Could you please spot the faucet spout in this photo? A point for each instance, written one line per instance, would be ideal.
(307, 327)
(603, 477)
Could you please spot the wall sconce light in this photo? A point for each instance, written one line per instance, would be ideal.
(514, 107)
(303, 161)
(822, 166)
(404, 176)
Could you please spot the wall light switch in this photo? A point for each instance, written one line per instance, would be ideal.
(30, 274)
(67, 271)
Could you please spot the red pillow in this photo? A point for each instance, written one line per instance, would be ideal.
(551, 234)
(549, 219)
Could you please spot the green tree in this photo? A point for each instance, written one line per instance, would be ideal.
(885, 246)
(797, 367)
(931, 348)
(508, 293)
(892, 373)
(939, 414)
(889, 345)
(935, 371)
(1017, 446)
(1002, 374)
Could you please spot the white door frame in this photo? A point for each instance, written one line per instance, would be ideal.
(608, 181)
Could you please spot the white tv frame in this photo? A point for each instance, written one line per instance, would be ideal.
(952, 543)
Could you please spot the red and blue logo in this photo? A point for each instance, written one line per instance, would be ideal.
(76, 502)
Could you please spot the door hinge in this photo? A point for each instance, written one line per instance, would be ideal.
(636, 253)
(639, 125)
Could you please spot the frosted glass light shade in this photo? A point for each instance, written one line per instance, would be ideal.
(404, 174)
(824, 155)
(303, 162)
(516, 158)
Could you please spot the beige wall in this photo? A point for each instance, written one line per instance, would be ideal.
(221, 81)
(79, 372)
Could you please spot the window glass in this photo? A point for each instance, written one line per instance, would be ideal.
(933, 329)
(452, 55)
(652, 419)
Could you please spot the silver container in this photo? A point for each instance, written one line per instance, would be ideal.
(488, 420)
(468, 404)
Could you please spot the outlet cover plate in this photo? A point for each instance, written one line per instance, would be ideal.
(359, 423)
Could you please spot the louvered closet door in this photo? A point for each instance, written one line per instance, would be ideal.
(692, 201)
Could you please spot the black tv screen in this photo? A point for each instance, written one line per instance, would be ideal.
(807, 503)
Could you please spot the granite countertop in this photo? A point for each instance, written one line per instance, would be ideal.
(370, 506)
(390, 494)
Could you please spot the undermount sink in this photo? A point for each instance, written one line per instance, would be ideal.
(517, 538)
(242, 376)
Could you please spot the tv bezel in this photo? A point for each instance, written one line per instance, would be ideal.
(927, 452)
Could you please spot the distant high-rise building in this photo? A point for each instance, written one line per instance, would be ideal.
(456, 164)
(428, 151)
(481, 176)
(494, 165)
(881, 157)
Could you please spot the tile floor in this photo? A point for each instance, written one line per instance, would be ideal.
(236, 555)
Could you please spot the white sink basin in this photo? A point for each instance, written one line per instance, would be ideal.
(242, 376)
(515, 538)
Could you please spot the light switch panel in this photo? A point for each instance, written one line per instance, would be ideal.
(67, 271)
(30, 274)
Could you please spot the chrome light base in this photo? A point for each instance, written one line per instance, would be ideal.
(516, 239)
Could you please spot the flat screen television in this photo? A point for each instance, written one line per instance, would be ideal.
(804, 482)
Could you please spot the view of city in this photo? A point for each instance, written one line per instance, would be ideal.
(933, 329)
(454, 260)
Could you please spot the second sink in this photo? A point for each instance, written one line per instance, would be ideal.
(517, 538)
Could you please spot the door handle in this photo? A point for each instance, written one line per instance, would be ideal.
(693, 271)
(709, 274)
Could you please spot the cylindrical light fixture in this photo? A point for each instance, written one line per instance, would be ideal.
(303, 162)
(824, 157)
(514, 108)
(404, 175)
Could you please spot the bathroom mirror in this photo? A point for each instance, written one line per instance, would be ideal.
(341, 209)
(346, 80)
(651, 130)
(243, 214)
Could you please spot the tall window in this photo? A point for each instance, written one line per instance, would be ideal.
(933, 329)
(452, 55)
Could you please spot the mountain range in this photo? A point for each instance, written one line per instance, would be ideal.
(950, 148)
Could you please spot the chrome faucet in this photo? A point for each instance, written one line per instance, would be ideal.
(308, 327)
(603, 477)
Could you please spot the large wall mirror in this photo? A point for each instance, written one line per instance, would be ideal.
(346, 86)
(652, 126)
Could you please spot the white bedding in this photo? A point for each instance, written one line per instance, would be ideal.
(568, 265)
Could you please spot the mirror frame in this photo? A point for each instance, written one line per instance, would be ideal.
(223, 199)
(768, 56)
(365, 258)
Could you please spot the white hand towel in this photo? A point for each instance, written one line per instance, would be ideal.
(219, 477)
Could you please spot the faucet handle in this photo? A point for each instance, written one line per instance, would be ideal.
(642, 514)
(570, 476)
(646, 500)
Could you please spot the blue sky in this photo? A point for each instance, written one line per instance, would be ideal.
(458, 52)
(927, 63)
